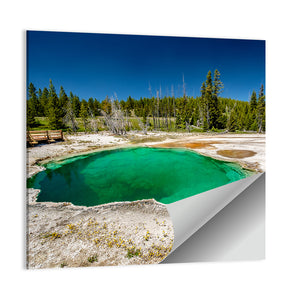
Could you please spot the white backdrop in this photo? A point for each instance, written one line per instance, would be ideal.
(275, 278)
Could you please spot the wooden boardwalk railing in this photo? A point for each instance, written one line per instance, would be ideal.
(49, 136)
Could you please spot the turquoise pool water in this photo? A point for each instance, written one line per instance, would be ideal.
(130, 174)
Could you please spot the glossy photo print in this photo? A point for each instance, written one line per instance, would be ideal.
(143, 149)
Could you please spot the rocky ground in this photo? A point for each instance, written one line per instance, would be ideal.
(64, 235)
(246, 149)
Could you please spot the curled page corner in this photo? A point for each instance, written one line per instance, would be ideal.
(190, 214)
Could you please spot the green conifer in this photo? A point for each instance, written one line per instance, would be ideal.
(55, 113)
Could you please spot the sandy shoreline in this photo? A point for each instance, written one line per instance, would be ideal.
(138, 232)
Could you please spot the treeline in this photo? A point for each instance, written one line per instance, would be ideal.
(207, 112)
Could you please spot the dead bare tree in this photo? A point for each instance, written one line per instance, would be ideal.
(160, 92)
(157, 108)
(115, 121)
(173, 97)
(187, 124)
(143, 126)
(228, 112)
(167, 109)
(183, 85)
(167, 113)
(153, 107)
(69, 118)
(93, 121)
(150, 91)
(174, 105)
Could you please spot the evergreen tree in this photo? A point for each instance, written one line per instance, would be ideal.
(97, 107)
(217, 84)
(55, 113)
(39, 93)
(203, 108)
(106, 105)
(217, 89)
(30, 116)
(253, 102)
(84, 114)
(210, 114)
(183, 113)
(44, 102)
(75, 104)
(33, 99)
(31, 107)
(261, 110)
(123, 105)
(208, 111)
(63, 99)
(130, 103)
(91, 107)
(246, 114)
(214, 112)
(40, 112)
(253, 106)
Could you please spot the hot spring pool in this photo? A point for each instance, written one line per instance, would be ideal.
(130, 174)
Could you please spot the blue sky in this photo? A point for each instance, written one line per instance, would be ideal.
(100, 65)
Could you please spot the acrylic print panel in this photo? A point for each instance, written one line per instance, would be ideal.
(137, 146)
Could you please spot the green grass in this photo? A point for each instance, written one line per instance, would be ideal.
(43, 124)
(134, 124)
(133, 252)
(92, 259)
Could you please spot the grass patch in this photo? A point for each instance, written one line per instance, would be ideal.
(92, 259)
(197, 130)
(42, 123)
(52, 235)
(133, 252)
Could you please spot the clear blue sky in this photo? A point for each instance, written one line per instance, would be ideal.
(100, 65)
